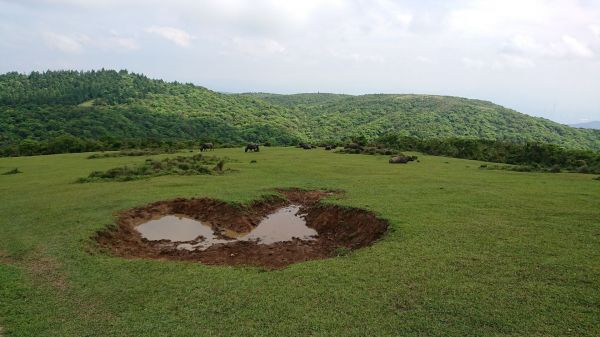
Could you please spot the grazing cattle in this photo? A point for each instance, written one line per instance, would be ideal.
(306, 146)
(402, 159)
(252, 147)
(206, 147)
(330, 147)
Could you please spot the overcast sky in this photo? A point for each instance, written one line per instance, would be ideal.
(540, 57)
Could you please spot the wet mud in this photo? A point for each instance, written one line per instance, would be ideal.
(272, 233)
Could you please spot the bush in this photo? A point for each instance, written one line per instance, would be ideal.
(180, 165)
(554, 169)
(530, 156)
(355, 148)
(131, 153)
(219, 166)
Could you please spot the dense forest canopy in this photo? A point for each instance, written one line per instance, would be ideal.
(116, 105)
(425, 116)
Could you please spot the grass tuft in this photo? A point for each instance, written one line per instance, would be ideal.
(180, 165)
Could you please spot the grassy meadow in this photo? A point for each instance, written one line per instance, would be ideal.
(469, 252)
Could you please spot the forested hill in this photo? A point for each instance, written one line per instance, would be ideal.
(425, 116)
(109, 104)
(118, 105)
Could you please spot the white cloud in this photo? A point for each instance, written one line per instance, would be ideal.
(64, 43)
(175, 35)
(473, 63)
(514, 61)
(424, 59)
(507, 17)
(356, 57)
(257, 46)
(117, 41)
(526, 46)
(125, 43)
(499, 63)
(576, 47)
(595, 29)
(77, 43)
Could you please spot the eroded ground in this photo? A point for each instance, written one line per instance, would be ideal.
(273, 232)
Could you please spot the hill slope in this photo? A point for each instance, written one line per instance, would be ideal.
(425, 116)
(114, 104)
(111, 104)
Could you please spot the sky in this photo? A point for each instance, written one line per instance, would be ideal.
(539, 57)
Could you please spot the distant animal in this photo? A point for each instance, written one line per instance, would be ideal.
(252, 147)
(353, 146)
(306, 146)
(206, 147)
(330, 147)
(402, 159)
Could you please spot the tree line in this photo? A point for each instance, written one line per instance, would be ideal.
(531, 154)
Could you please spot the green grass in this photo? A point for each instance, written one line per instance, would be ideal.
(176, 165)
(470, 252)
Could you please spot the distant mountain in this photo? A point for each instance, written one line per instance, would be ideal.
(118, 104)
(331, 116)
(587, 125)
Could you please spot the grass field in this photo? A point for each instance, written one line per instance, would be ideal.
(470, 252)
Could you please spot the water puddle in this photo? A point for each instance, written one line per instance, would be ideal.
(283, 225)
(174, 228)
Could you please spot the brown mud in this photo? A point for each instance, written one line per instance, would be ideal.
(337, 227)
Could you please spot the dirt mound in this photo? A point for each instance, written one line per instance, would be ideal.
(338, 229)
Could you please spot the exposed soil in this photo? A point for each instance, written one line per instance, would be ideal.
(338, 228)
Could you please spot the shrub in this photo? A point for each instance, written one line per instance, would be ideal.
(538, 157)
(219, 166)
(130, 153)
(554, 169)
(583, 169)
(180, 165)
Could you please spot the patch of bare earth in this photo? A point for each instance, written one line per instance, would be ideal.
(5, 258)
(337, 227)
(46, 270)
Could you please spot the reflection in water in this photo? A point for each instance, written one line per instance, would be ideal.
(282, 225)
(174, 228)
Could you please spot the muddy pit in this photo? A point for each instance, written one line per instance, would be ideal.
(272, 233)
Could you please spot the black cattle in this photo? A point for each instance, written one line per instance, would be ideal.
(206, 147)
(306, 146)
(252, 147)
(330, 147)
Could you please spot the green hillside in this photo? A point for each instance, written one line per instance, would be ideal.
(425, 116)
(118, 104)
(110, 104)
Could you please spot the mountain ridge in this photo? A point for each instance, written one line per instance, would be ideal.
(119, 104)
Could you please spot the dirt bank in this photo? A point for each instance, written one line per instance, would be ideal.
(338, 229)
